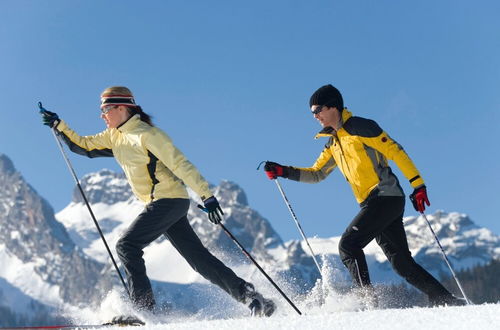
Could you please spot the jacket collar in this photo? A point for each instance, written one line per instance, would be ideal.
(130, 124)
(330, 131)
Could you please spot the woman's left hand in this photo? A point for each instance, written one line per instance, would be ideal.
(214, 210)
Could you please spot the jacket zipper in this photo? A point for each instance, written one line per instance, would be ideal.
(346, 164)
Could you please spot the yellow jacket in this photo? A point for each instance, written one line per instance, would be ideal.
(154, 167)
(361, 149)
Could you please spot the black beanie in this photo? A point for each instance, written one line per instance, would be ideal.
(329, 96)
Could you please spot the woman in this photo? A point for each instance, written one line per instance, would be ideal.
(157, 172)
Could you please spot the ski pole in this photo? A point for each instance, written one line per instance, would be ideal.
(54, 132)
(255, 263)
(297, 223)
(299, 227)
(446, 259)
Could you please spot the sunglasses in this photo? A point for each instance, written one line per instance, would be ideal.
(107, 108)
(318, 109)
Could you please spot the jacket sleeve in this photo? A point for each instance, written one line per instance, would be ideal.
(323, 166)
(160, 144)
(395, 152)
(98, 145)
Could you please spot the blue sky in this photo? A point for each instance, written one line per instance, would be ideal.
(230, 81)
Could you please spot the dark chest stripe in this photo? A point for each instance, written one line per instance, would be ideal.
(151, 170)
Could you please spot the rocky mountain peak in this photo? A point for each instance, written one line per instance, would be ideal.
(231, 193)
(30, 233)
(104, 186)
(445, 224)
(462, 240)
(6, 165)
(108, 187)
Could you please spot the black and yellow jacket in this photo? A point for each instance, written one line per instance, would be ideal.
(361, 150)
(154, 167)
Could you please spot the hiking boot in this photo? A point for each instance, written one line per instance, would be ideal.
(259, 306)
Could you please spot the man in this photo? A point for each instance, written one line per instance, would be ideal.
(158, 173)
(361, 150)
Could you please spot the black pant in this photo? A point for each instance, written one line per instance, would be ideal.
(168, 217)
(382, 218)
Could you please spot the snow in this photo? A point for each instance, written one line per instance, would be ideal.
(82, 230)
(483, 317)
(216, 310)
(336, 313)
(10, 295)
(24, 278)
(164, 262)
(15, 235)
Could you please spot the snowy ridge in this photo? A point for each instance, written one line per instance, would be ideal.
(465, 243)
(105, 187)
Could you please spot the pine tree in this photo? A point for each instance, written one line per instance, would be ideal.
(480, 283)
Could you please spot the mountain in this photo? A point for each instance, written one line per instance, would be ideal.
(37, 255)
(465, 243)
(116, 207)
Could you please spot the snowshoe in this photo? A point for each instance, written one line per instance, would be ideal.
(259, 306)
(123, 320)
(262, 307)
(448, 300)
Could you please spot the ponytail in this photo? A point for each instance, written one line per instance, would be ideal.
(144, 116)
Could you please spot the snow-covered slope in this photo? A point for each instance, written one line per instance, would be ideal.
(484, 317)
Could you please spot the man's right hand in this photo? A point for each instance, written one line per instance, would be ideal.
(274, 170)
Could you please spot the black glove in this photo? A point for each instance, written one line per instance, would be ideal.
(214, 211)
(49, 118)
(274, 170)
